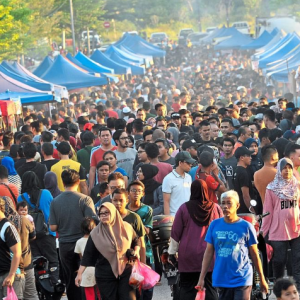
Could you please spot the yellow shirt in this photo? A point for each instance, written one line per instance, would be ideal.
(66, 164)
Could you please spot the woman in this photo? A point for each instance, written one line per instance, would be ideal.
(13, 176)
(283, 223)
(106, 251)
(153, 191)
(50, 181)
(188, 238)
(111, 157)
(174, 135)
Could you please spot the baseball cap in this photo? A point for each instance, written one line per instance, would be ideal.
(259, 116)
(64, 148)
(88, 126)
(175, 115)
(126, 110)
(189, 143)
(204, 148)
(184, 156)
(291, 134)
(242, 151)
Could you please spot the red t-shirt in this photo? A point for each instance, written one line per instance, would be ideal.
(98, 155)
(4, 191)
(55, 154)
(112, 114)
(211, 182)
(176, 107)
(163, 170)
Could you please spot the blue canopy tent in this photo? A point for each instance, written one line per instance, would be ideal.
(208, 39)
(102, 59)
(135, 44)
(227, 31)
(286, 48)
(261, 41)
(131, 58)
(234, 42)
(275, 31)
(43, 67)
(28, 98)
(89, 63)
(64, 73)
(135, 70)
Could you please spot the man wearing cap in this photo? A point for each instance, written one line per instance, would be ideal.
(66, 163)
(175, 118)
(126, 111)
(176, 186)
(241, 179)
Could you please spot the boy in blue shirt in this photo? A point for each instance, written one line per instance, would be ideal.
(232, 239)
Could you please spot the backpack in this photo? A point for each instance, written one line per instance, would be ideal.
(37, 214)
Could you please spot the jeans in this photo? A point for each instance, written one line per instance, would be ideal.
(46, 246)
(30, 292)
(70, 262)
(237, 293)
(188, 281)
(280, 255)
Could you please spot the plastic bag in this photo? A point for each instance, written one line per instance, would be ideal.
(11, 295)
(150, 276)
(201, 294)
(135, 278)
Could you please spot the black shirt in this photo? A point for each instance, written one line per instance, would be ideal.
(49, 163)
(242, 179)
(11, 238)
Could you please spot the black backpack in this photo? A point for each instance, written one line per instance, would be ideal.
(37, 214)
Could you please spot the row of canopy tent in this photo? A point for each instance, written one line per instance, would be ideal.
(54, 77)
(279, 59)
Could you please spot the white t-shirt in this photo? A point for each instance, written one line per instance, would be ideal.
(88, 276)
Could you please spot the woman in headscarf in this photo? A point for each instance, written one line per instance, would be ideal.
(50, 180)
(106, 251)
(188, 239)
(153, 191)
(45, 245)
(174, 135)
(13, 176)
(282, 225)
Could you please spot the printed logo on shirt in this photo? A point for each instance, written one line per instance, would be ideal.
(229, 171)
(285, 204)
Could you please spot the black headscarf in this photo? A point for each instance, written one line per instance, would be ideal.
(149, 171)
(30, 185)
(199, 206)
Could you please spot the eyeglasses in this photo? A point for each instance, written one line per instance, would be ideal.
(139, 152)
(115, 187)
(104, 214)
(124, 138)
(137, 191)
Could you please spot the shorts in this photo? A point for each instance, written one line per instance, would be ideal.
(18, 285)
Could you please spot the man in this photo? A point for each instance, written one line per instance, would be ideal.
(120, 201)
(109, 110)
(232, 241)
(226, 126)
(40, 170)
(6, 188)
(47, 152)
(204, 130)
(7, 140)
(229, 160)
(176, 185)
(161, 110)
(103, 171)
(66, 163)
(164, 169)
(242, 181)
(84, 154)
(97, 154)
(243, 134)
(267, 173)
(208, 171)
(175, 118)
(37, 127)
(270, 119)
(190, 145)
(292, 151)
(141, 159)
(10, 255)
(164, 147)
(161, 123)
(214, 131)
(184, 116)
(66, 214)
(147, 136)
(183, 100)
(63, 135)
(147, 108)
(197, 118)
(141, 114)
(125, 155)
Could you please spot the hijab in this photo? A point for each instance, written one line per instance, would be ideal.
(30, 185)
(149, 171)
(283, 188)
(9, 164)
(175, 133)
(200, 207)
(114, 239)
(50, 181)
(10, 212)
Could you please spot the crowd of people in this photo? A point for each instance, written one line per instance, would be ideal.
(196, 142)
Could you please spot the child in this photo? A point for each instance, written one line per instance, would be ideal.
(285, 289)
(103, 191)
(88, 277)
(22, 209)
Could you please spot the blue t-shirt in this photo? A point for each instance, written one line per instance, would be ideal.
(45, 202)
(193, 172)
(122, 171)
(231, 241)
